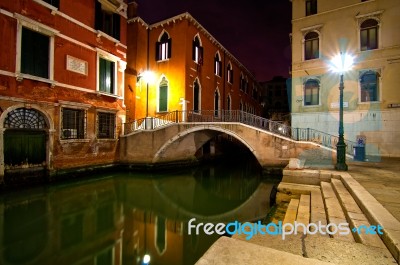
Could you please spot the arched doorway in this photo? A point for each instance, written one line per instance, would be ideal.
(25, 139)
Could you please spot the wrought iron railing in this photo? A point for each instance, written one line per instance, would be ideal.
(298, 134)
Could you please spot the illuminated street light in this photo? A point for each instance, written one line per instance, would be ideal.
(340, 64)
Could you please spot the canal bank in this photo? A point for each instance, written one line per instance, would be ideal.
(332, 197)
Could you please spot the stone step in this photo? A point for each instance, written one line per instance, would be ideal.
(355, 216)
(303, 212)
(291, 212)
(335, 214)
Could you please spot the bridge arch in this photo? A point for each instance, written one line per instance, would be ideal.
(199, 128)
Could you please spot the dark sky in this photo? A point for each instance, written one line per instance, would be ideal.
(255, 32)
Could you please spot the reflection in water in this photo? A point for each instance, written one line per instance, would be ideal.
(119, 218)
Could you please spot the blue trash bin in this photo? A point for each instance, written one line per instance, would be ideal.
(359, 153)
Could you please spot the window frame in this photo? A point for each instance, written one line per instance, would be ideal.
(229, 74)
(217, 65)
(166, 82)
(313, 79)
(311, 40)
(217, 103)
(378, 86)
(197, 51)
(368, 30)
(114, 129)
(311, 7)
(198, 110)
(163, 47)
(24, 22)
(84, 126)
(100, 18)
(112, 58)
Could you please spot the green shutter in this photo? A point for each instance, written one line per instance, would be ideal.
(163, 104)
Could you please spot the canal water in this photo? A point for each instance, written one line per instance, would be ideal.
(120, 217)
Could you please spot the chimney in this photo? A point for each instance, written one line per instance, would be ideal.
(132, 9)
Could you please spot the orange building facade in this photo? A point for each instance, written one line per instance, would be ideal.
(62, 74)
(176, 64)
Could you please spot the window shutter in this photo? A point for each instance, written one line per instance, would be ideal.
(98, 15)
(158, 44)
(169, 48)
(193, 50)
(116, 26)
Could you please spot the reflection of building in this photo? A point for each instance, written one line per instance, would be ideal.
(369, 31)
(61, 83)
(69, 225)
(275, 99)
(191, 70)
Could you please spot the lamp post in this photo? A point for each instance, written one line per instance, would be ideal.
(148, 77)
(340, 64)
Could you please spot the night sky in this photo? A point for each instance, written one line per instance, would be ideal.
(255, 32)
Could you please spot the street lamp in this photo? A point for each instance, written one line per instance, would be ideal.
(340, 64)
(148, 77)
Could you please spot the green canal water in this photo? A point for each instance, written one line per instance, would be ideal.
(119, 217)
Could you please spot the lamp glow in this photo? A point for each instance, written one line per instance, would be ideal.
(342, 63)
(148, 77)
(146, 259)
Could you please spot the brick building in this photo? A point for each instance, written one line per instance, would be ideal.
(62, 78)
(190, 70)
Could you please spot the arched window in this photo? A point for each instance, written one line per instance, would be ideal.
(311, 46)
(163, 95)
(163, 48)
(229, 73)
(196, 97)
(216, 103)
(228, 102)
(369, 85)
(23, 118)
(197, 53)
(217, 65)
(369, 35)
(311, 92)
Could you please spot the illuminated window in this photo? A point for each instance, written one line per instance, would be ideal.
(163, 96)
(311, 7)
(230, 73)
(369, 84)
(105, 125)
(311, 45)
(197, 53)
(369, 35)
(311, 92)
(217, 65)
(163, 48)
(107, 21)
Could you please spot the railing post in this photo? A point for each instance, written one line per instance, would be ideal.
(176, 116)
(308, 134)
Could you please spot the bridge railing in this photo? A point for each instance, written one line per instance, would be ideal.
(298, 134)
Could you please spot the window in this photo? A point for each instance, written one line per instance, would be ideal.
(216, 103)
(105, 125)
(369, 84)
(163, 48)
(55, 3)
(107, 21)
(311, 92)
(230, 74)
(369, 35)
(242, 82)
(196, 97)
(311, 7)
(217, 65)
(73, 123)
(35, 53)
(311, 46)
(163, 95)
(228, 103)
(107, 73)
(197, 53)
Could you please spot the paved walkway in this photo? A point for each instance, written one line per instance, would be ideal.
(382, 180)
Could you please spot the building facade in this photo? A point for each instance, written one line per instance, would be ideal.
(367, 30)
(62, 77)
(275, 99)
(190, 70)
